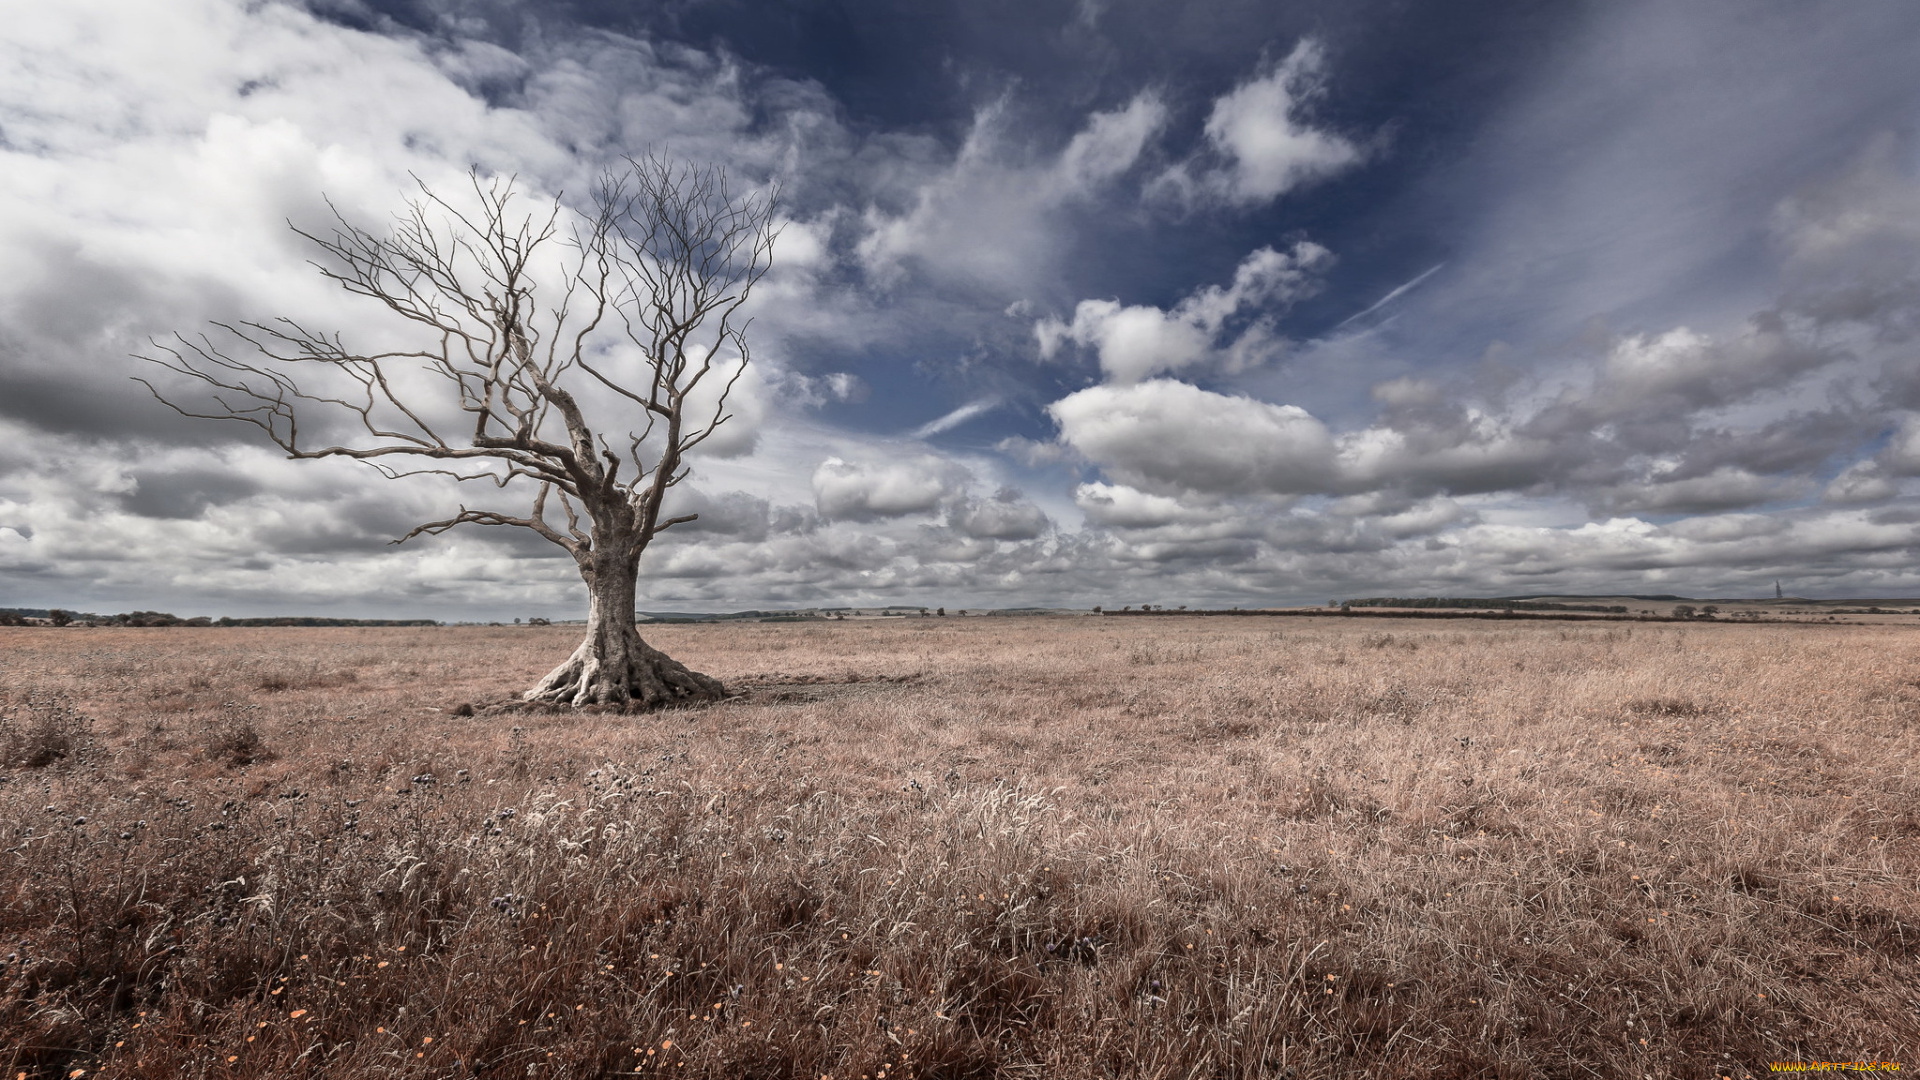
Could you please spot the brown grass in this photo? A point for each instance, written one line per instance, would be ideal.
(945, 848)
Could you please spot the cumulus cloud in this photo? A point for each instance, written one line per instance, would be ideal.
(1681, 370)
(1133, 341)
(1008, 515)
(1260, 133)
(864, 491)
(1636, 435)
(1167, 436)
(1123, 507)
(1670, 422)
(1136, 341)
(1462, 451)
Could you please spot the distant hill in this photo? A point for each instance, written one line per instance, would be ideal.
(1488, 603)
(721, 616)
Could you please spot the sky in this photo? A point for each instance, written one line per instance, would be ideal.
(1076, 302)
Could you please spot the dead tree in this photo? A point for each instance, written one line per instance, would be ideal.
(534, 342)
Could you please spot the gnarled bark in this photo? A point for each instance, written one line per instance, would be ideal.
(613, 665)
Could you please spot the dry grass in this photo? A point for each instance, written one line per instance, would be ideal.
(946, 848)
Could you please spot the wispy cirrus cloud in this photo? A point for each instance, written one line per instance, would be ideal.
(989, 217)
(954, 419)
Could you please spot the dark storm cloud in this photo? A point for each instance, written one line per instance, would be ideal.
(184, 493)
(68, 402)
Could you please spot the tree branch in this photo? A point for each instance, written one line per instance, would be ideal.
(664, 260)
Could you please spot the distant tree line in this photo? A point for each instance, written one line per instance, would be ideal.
(1471, 602)
(61, 617)
(305, 620)
(34, 616)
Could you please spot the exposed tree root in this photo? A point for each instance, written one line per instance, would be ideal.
(630, 674)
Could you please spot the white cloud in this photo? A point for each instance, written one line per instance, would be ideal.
(1393, 294)
(1133, 341)
(1006, 516)
(988, 218)
(1424, 519)
(751, 396)
(1106, 149)
(1167, 436)
(862, 491)
(1644, 366)
(1260, 130)
(1136, 341)
(1471, 453)
(1120, 506)
(954, 419)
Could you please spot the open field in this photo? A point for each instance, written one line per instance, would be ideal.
(1047, 847)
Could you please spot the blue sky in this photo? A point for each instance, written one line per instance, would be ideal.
(1077, 303)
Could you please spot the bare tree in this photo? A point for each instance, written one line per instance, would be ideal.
(631, 314)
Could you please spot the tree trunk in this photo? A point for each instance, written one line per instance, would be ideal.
(613, 666)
